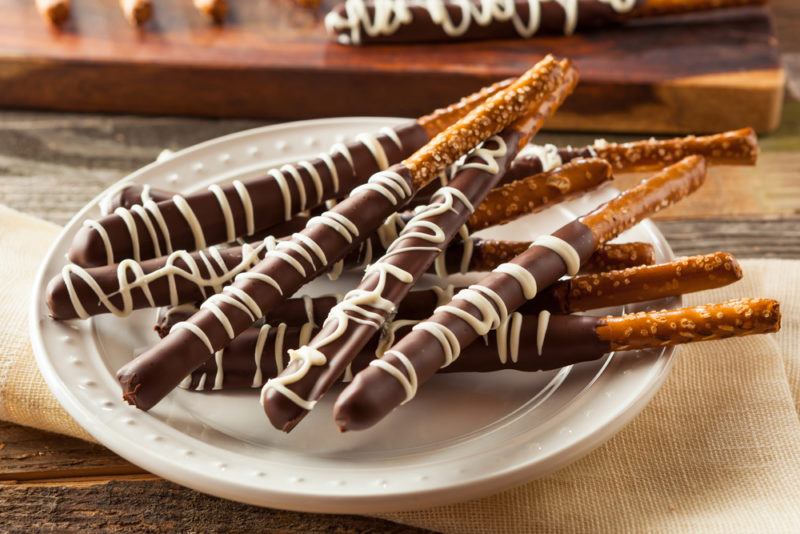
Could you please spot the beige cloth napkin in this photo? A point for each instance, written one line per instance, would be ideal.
(717, 450)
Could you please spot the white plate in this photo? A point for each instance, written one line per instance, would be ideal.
(465, 436)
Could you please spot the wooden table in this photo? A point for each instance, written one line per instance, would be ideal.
(50, 165)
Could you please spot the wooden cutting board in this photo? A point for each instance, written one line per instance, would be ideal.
(272, 59)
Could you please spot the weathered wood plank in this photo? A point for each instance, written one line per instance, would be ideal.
(743, 237)
(29, 454)
(273, 57)
(157, 506)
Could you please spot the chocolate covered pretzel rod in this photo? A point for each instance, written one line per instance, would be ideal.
(55, 12)
(480, 308)
(324, 241)
(259, 353)
(736, 147)
(546, 342)
(183, 277)
(355, 22)
(638, 283)
(222, 213)
(367, 21)
(298, 319)
(353, 322)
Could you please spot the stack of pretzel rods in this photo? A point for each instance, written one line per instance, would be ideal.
(186, 277)
(221, 214)
(353, 322)
(325, 240)
(355, 22)
(230, 322)
(473, 312)
(260, 349)
(515, 345)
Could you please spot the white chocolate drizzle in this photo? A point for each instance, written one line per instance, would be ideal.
(408, 379)
(507, 342)
(131, 276)
(389, 16)
(522, 275)
(541, 330)
(567, 252)
(150, 214)
(547, 155)
(307, 356)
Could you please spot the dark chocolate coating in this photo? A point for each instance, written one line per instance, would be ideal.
(88, 249)
(153, 374)
(422, 28)
(475, 184)
(521, 167)
(367, 406)
(131, 195)
(485, 256)
(569, 339)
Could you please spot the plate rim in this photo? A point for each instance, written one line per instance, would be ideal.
(301, 499)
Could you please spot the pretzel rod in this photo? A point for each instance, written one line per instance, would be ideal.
(580, 293)
(440, 119)
(615, 256)
(137, 12)
(355, 22)
(219, 214)
(473, 312)
(638, 284)
(489, 253)
(215, 10)
(258, 354)
(736, 147)
(733, 318)
(550, 342)
(183, 277)
(486, 255)
(325, 240)
(353, 322)
(55, 12)
(539, 191)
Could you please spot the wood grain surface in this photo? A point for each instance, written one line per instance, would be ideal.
(271, 56)
(51, 164)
